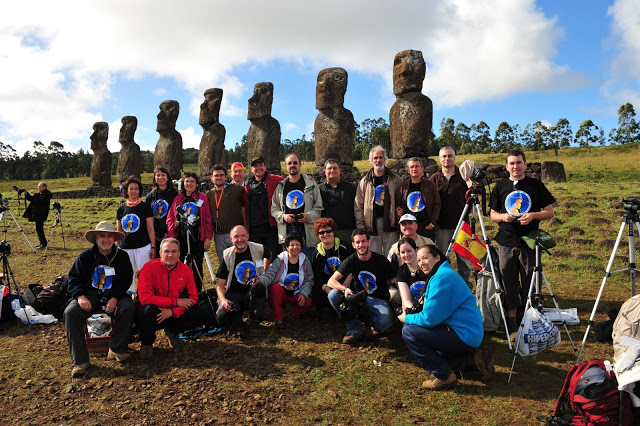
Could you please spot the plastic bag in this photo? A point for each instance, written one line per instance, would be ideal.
(537, 334)
(28, 315)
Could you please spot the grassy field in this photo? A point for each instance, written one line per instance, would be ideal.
(302, 374)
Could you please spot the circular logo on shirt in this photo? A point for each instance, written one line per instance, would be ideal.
(245, 271)
(332, 265)
(517, 203)
(130, 223)
(160, 209)
(416, 289)
(295, 199)
(414, 202)
(100, 280)
(292, 282)
(368, 281)
(379, 196)
(189, 208)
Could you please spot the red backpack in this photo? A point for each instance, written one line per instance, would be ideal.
(590, 396)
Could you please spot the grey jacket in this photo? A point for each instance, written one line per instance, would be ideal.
(274, 274)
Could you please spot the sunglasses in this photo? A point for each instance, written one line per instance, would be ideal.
(328, 231)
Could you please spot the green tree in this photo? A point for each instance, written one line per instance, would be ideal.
(463, 136)
(447, 135)
(526, 137)
(586, 134)
(540, 135)
(628, 130)
(503, 140)
(560, 135)
(481, 138)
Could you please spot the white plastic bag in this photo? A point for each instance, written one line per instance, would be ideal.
(28, 315)
(537, 334)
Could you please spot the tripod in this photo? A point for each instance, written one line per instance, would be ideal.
(190, 260)
(630, 218)
(7, 274)
(473, 204)
(4, 208)
(536, 299)
(57, 221)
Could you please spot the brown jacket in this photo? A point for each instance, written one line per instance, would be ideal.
(365, 193)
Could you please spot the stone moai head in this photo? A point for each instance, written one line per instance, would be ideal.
(100, 135)
(168, 115)
(210, 108)
(261, 101)
(128, 129)
(331, 87)
(409, 70)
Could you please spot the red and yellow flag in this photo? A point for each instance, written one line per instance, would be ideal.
(471, 249)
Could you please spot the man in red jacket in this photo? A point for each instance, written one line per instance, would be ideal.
(167, 292)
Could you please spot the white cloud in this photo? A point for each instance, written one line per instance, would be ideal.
(287, 127)
(61, 65)
(190, 139)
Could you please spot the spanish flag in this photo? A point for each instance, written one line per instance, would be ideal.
(471, 249)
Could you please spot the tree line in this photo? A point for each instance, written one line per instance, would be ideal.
(52, 162)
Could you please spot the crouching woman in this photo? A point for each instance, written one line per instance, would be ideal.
(445, 335)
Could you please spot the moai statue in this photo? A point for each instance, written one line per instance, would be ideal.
(212, 142)
(263, 139)
(101, 161)
(334, 127)
(129, 157)
(169, 147)
(411, 115)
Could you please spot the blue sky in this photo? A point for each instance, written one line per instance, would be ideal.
(518, 61)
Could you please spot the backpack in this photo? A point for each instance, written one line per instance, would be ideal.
(590, 396)
(486, 295)
(627, 323)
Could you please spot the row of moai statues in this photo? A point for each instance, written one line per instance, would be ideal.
(410, 119)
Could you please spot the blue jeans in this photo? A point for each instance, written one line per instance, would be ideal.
(378, 309)
(438, 350)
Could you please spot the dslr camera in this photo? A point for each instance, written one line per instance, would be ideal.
(18, 190)
(631, 204)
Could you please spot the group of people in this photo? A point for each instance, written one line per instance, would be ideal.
(366, 253)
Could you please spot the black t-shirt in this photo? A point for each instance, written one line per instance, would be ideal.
(416, 281)
(244, 270)
(294, 196)
(371, 275)
(510, 233)
(160, 202)
(258, 202)
(292, 284)
(415, 203)
(378, 199)
(134, 225)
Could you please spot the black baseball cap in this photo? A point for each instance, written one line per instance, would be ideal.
(255, 160)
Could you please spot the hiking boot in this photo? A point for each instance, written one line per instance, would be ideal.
(279, 324)
(79, 370)
(174, 341)
(118, 357)
(437, 384)
(146, 351)
(350, 339)
(484, 363)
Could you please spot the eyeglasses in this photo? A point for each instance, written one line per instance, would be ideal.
(326, 231)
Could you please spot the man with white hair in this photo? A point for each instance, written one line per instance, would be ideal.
(375, 203)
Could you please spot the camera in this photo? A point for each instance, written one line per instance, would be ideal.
(18, 190)
(478, 175)
(298, 216)
(350, 306)
(5, 247)
(57, 206)
(188, 222)
(631, 204)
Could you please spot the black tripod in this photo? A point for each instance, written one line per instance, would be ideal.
(57, 220)
(4, 209)
(631, 205)
(7, 278)
(473, 204)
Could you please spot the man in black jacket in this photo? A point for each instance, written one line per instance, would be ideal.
(38, 211)
(98, 280)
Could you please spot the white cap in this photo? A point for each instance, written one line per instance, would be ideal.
(407, 216)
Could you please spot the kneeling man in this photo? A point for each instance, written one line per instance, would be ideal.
(167, 293)
(99, 278)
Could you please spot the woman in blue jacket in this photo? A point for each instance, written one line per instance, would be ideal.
(445, 335)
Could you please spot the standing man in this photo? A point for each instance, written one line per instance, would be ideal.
(452, 189)
(419, 196)
(227, 203)
(168, 298)
(235, 286)
(516, 258)
(237, 173)
(99, 279)
(375, 203)
(338, 199)
(296, 204)
(371, 272)
(38, 210)
(262, 227)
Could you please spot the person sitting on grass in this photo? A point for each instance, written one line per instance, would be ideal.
(444, 337)
(99, 278)
(289, 280)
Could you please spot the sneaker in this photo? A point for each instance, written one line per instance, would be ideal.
(279, 324)
(146, 351)
(350, 339)
(484, 363)
(41, 247)
(437, 384)
(79, 370)
(118, 357)
(174, 341)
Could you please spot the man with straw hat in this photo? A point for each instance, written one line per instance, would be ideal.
(98, 280)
